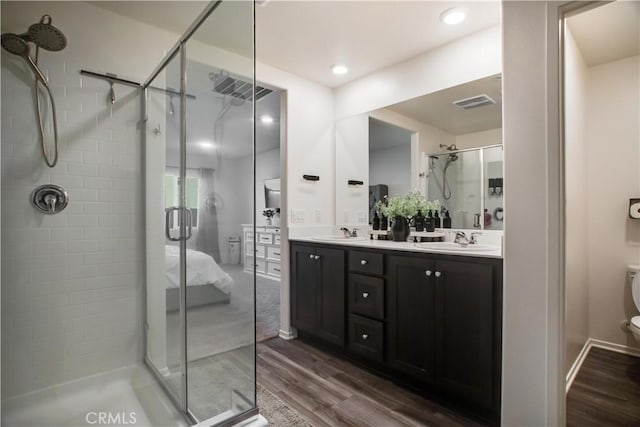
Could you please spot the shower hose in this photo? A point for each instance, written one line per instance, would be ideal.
(41, 126)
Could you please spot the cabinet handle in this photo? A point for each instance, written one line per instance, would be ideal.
(438, 274)
(365, 336)
(311, 256)
(363, 262)
(428, 273)
(276, 253)
(276, 269)
(317, 257)
(365, 294)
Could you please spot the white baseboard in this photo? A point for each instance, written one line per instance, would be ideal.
(591, 342)
(571, 375)
(288, 334)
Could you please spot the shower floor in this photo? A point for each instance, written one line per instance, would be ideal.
(117, 396)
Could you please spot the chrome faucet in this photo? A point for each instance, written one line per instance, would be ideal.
(461, 238)
(474, 238)
(348, 234)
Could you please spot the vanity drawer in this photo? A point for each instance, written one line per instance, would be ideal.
(248, 236)
(260, 264)
(366, 296)
(273, 252)
(366, 262)
(260, 251)
(273, 268)
(265, 238)
(366, 337)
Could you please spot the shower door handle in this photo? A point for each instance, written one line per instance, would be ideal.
(189, 218)
(167, 219)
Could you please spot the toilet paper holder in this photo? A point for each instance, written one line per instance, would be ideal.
(634, 208)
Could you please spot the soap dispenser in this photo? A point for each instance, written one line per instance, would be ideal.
(418, 221)
(429, 224)
(436, 219)
(376, 221)
(446, 221)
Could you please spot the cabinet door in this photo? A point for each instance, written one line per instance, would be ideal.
(412, 316)
(465, 326)
(332, 289)
(304, 288)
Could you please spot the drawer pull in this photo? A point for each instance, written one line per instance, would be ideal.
(438, 274)
(365, 336)
(317, 257)
(311, 256)
(363, 262)
(365, 294)
(276, 253)
(428, 273)
(276, 269)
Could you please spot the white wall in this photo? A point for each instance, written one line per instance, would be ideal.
(437, 69)
(613, 140)
(479, 139)
(72, 283)
(533, 310)
(576, 190)
(389, 167)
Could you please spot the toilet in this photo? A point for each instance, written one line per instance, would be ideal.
(634, 324)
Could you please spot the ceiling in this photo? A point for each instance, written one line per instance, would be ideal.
(307, 37)
(437, 109)
(607, 33)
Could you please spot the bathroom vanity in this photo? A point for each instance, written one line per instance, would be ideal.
(431, 321)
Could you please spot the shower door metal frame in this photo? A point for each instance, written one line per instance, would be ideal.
(180, 48)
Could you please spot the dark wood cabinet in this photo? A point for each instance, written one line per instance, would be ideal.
(465, 329)
(433, 321)
(443, 325)
(412, 303)
(318, 292)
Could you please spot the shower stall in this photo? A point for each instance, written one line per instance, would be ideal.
(124, 294)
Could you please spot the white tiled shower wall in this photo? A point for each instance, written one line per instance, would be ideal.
(72, 282)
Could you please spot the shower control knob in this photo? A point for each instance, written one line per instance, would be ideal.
(49, 199)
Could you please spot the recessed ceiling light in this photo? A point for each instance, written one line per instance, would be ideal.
(339, 69)
(207, 145)
(266, 119)
(453, 16)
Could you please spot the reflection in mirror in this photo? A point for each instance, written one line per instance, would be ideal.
(389, 155)
(493, 188)
(272, 193)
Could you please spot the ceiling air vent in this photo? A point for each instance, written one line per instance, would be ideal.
(474, 102)
(227, 85)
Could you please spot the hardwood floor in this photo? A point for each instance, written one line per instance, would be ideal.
(606, 391)
(333, 392)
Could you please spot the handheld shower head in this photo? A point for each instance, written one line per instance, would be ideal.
(46, 35)
(17, 45)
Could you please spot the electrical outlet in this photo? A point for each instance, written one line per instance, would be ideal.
(297, 216)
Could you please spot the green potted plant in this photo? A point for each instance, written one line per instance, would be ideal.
(402, 208)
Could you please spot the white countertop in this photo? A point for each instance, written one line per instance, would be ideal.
(399, 246)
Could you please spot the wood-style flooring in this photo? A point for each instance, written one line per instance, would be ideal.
(606, 391)
(330, 391)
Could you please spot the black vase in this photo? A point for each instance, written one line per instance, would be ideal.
(376, 221)
(400, 229)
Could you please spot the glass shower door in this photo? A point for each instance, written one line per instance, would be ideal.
(219, 188)
(200, 190)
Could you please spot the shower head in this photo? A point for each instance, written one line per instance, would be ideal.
(451, 147)
(46, 35)
(17, 45)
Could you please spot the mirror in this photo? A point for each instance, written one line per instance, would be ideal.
(272, 193)
(405, 146)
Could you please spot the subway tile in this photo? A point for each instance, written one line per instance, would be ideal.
(82, 246)
(82, 169)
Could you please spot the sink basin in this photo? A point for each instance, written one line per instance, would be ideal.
(333, 238)
(451, 246)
